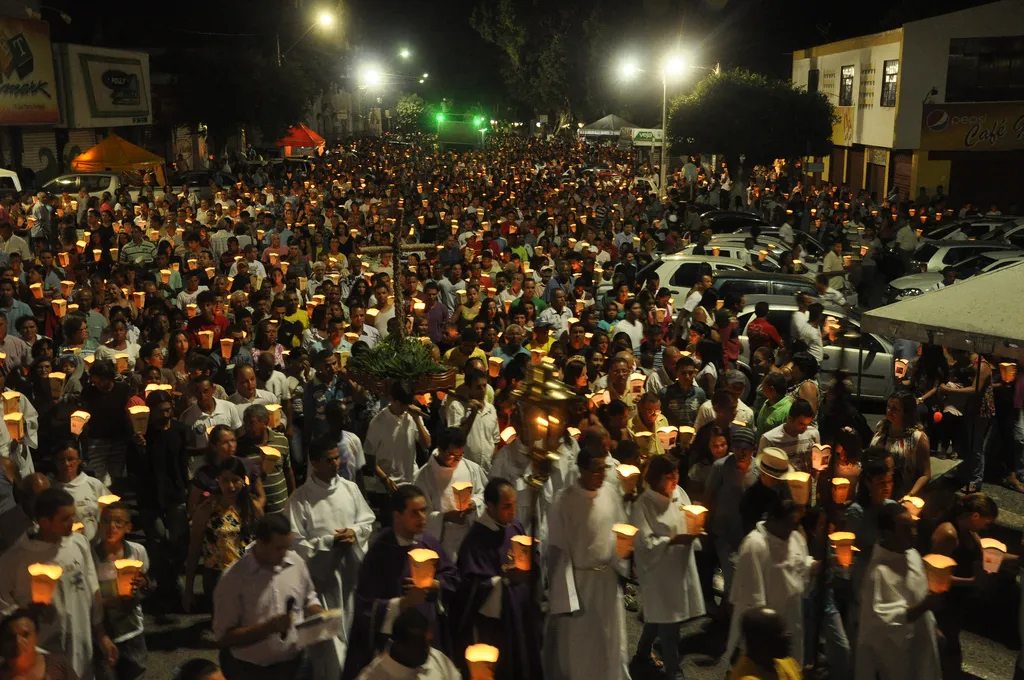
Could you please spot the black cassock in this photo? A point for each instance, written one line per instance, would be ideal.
(382, 578)
(484, 552)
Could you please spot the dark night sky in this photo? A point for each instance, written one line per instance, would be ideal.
(758, 35)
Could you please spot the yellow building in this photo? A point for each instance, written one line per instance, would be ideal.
(936, 102)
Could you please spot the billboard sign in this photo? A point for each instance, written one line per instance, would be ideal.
(972, 127)
(106, 88)
(28, 85)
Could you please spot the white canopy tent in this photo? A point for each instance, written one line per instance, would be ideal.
(609, 126)
(984, 313)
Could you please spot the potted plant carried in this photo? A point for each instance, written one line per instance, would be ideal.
(408, 360)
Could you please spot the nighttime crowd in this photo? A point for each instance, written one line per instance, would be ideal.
(184, 433)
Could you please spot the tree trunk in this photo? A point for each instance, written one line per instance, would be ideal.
(396, 269)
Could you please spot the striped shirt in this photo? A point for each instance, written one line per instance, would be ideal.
(275, 485)
(798, 448)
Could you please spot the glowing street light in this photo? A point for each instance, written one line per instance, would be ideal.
(325, 18)
(630, 69)
(675, 64)
(422, 81)
(425, 76)
(404, 53)
(370, 76)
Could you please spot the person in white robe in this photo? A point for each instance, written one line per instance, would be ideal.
(438, 478)
(665, 564)
(774, 570)
(476, 418)
(84, 489)
(586, 634)
(511, 462)
(74, 621)
(332, 523)
(20, 452)
(409, 655)
(897, 637)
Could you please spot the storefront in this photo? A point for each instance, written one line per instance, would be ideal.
(974, 150)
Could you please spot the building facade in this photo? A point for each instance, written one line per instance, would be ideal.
(934, 103)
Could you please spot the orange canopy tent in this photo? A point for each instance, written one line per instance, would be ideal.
(115, 154)
(301, 136)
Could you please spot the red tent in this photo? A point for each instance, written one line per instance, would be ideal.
(301, 136)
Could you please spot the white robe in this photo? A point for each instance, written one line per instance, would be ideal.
(512, 463)
(22, 457)
(586, 626)
(316, 510)
(888, 646)
(771, 573)
(437, 667)
(669, 583)
(436, 481)
(69, 632)
(86, 491)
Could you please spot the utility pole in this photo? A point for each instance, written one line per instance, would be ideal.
(277, 47)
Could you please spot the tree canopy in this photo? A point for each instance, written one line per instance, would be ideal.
(411, 109)
(548, 48)
(738, 112)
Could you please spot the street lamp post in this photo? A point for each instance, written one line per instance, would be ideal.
(324, 19)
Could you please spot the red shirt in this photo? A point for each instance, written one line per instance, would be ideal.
(760, 333)
(219, 326)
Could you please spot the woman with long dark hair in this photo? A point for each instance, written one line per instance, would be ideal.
(222, 527)
(901, 435)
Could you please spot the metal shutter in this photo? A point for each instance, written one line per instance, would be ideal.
(39, 154)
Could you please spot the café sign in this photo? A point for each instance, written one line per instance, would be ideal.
(972, 127)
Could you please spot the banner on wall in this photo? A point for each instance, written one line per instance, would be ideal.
(972, 127)
(105, 88)
(28, 85)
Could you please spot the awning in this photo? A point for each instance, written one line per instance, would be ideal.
(980, 314)
(301, 136)
(115, 154)
(608, 126)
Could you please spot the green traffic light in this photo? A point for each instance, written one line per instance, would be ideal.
(440, 118)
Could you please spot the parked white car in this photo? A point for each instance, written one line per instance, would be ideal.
(679, 273)
(925, 282)
(872, 353)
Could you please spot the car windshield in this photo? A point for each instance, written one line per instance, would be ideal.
(973, 265)
(925, 252)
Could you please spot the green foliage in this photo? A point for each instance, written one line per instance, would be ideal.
(411, 109)
(406, 360)
(738, 112)
(549, 49)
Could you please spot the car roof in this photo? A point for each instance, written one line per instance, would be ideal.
(938, 243)
(764, 276)
(687, 257)
(775, 305)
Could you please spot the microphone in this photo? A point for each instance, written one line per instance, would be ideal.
(289, 606)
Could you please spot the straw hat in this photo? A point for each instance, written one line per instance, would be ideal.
(774, 462)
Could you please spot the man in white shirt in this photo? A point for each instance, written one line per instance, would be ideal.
(786, 232)
(810, 332)
(392, 437)
(774, 570)
(632, 325)
(557, 315)
(332, 523)
(799, 318)
(477, 419)
(207, 412)
(246, 393)
(795, 436)
(255, 602)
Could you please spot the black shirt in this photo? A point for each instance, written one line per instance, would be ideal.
(163, 473)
